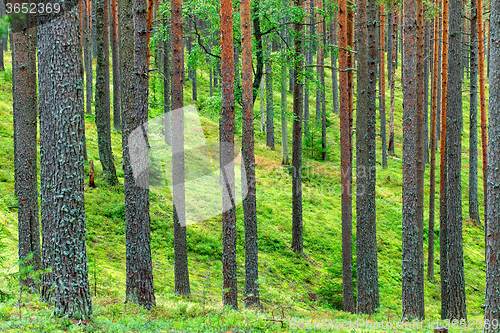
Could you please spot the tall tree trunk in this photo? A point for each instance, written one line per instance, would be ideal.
(482, 103)
(456, 282)
(473, 194)
(167, 97)
(297, 225)
(426, 60)
(440, 68)
(432, 188)
(61, 69)
(25, 147)
(390, 19)
(443, 193)
(116, 65)
(320, 90)
(269, 100)
(394, 61)
(346, 164)
(181, 271)
(139, 281)
(248, 154)
(284, 122)
(333, 41)
(262, 106)
(93, 27)
(492, 303)
(87, 51)
(102, 107)
(382, 87)
(259, 69)
(420, 137)
(412, 283)
(226, 129)
(366, 235)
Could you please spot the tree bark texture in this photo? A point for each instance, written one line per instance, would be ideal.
(226, 137)
(61, 165)
(181, 271)
(366, 235)
(248, 153)
(456, 279)
(297, 225)
(346, 164)
(25, 148)
(102, 96)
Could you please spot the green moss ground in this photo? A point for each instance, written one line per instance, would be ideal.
(307, 287)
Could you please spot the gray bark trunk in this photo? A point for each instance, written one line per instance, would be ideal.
(456, 282)
(102, 95)
(492, 309)
(25, 148)
(366, 240)
(62, 180)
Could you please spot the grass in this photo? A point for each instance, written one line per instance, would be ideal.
(305, 287)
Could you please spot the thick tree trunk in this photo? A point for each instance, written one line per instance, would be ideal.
(133, 57)
(346, 164)
(491, 312)
(473, 172)
(412, 260)
(443, 192)
(181, 270)
(366, 235)
(248, 154)
(25, 147)
(226, 129)
(456, 279)
(297, 225)
(116, 65)
(102, 98)
(62, 180)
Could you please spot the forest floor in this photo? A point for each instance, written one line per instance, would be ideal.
(296, 290)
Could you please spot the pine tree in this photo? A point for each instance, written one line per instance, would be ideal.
(182, 285)
(133, 55)
(298, 85)
(456, 279)
(226, 137)
(412, 284)
(492, 303)
(473, 193)
(366, 235)
(60, 69)
(102, 96)
(25, 147)
(248, 167)
(346, 164)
